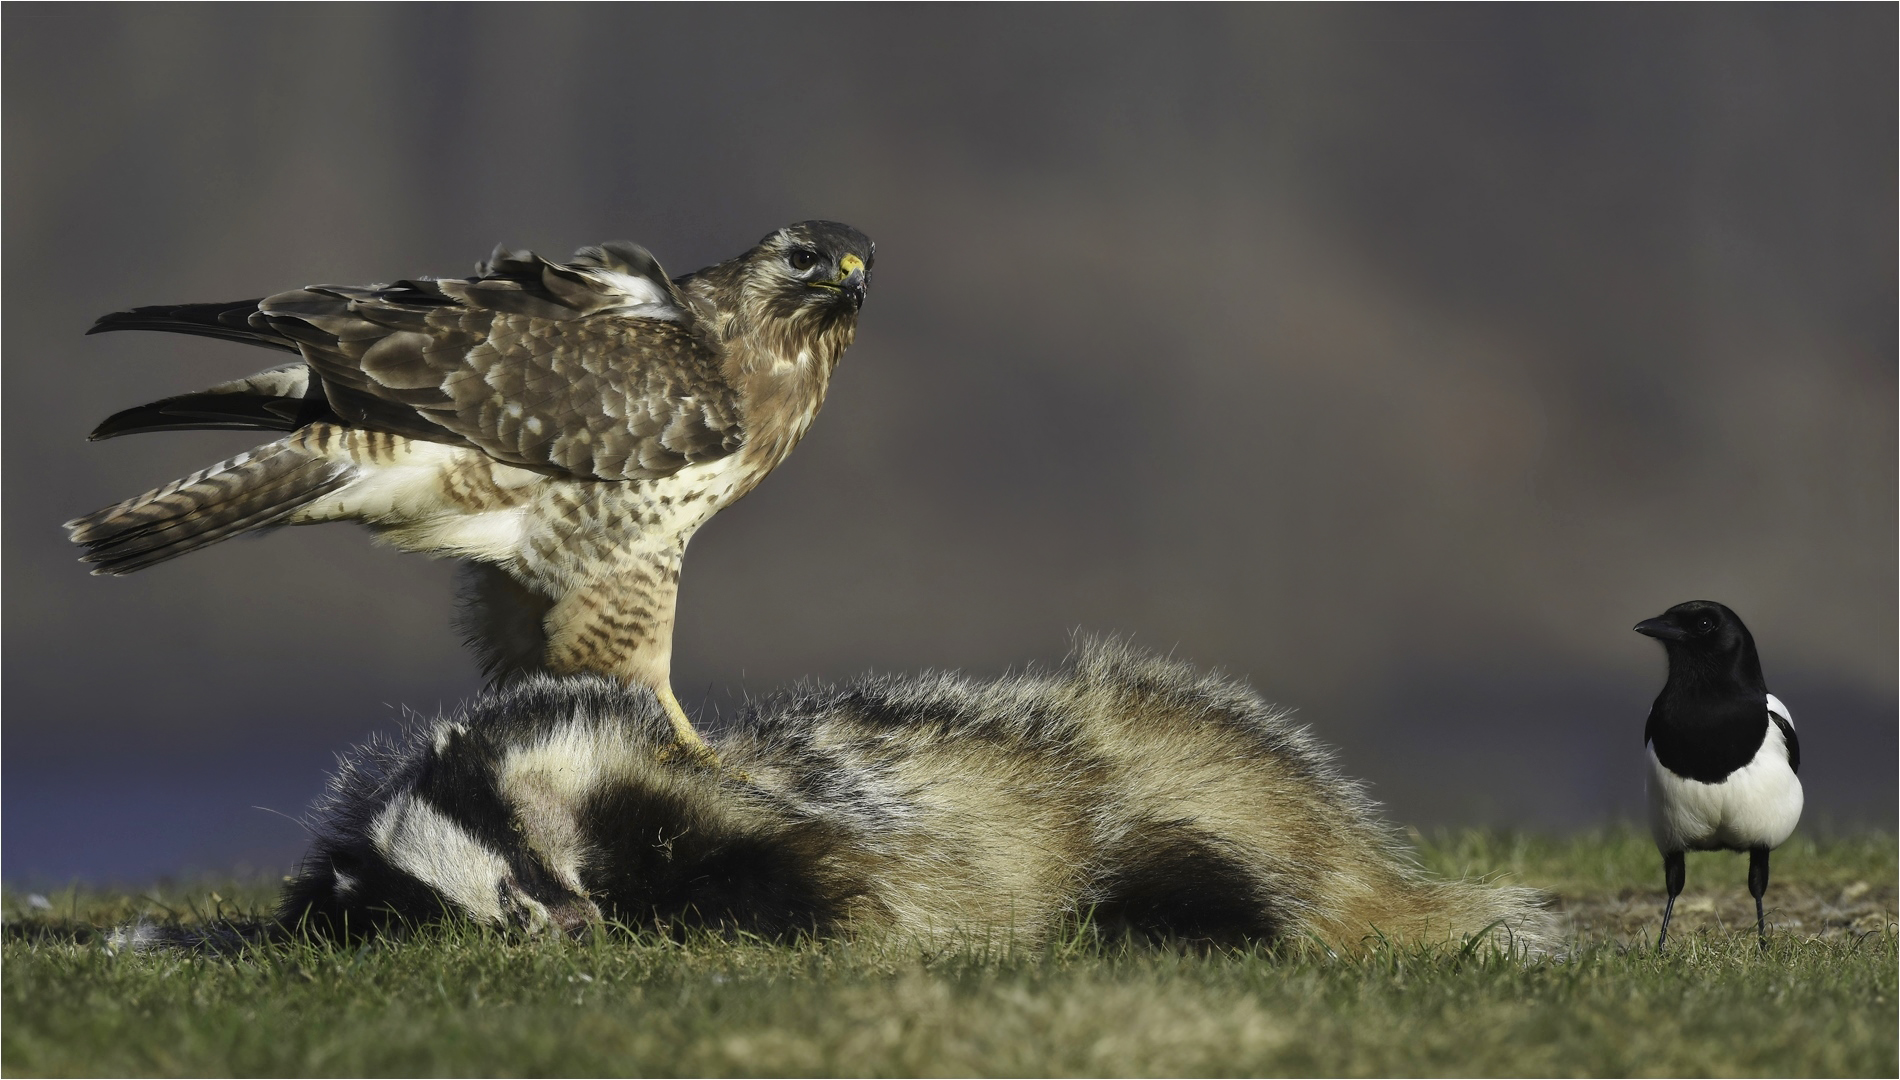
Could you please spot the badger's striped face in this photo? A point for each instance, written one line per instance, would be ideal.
(450, 841)
(417, 839)
(353, 889)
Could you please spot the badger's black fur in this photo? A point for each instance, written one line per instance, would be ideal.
(1126, 790)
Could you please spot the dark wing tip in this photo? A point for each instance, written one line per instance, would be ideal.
(109, 428)
(119, 423)
(229, 321)
(117, 320)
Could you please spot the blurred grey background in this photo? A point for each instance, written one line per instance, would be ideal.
(1398, 360)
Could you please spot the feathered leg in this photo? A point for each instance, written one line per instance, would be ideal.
(623, 624)
(515, 630)
(503, 620)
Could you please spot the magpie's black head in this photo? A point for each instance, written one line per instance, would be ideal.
(1700, 624)
(1704, 633)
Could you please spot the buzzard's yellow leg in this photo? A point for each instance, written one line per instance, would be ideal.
(683, 728)
(609, 627)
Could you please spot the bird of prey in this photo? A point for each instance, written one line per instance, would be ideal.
(1722, 751)
(565, 427)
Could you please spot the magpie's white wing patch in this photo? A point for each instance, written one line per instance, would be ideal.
(1784, 723)
(1777, 708)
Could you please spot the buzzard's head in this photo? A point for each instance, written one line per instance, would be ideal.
(795, 295)
(812, 269)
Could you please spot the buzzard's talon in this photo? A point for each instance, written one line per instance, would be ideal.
(682, 727)
(696, 748)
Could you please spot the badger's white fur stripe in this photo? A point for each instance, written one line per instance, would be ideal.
(545, 779)
(1126, 790)
(420, 841)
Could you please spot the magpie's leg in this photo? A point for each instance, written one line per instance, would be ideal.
(1673, 871)
(1757, 885)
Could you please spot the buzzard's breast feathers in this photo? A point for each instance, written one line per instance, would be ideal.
(594, 369)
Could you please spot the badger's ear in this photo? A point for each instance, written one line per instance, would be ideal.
(345, 872)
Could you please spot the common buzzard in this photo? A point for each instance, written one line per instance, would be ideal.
(565, 427)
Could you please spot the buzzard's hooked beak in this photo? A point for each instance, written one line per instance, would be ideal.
(850, 279)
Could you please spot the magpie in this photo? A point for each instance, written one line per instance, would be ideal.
(1722, 751)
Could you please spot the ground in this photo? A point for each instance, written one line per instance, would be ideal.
(1820, 1001)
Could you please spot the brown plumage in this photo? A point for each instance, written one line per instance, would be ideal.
(1126, 792)
(566, 427)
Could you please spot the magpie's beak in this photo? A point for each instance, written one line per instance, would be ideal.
(1659, 630)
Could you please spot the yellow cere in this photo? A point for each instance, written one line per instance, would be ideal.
(849, 263)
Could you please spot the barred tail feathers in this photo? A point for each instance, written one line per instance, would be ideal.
(252, 490)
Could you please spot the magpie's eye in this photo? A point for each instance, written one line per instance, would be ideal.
(1704, 624)
(802, 260)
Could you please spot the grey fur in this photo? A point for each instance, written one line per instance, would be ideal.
(1125, 790)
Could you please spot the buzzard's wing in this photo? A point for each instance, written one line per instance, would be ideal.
(590, 368)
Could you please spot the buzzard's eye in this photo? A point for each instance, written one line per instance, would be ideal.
(803, 260)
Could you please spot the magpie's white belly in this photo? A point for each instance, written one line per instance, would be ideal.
(1757, 805)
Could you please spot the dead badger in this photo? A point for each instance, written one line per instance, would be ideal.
(1127, 791)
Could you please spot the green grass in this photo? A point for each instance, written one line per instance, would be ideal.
(462, 1002)
(1613, 859)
